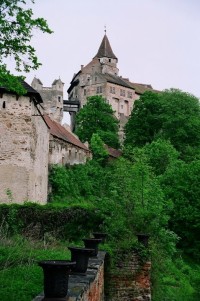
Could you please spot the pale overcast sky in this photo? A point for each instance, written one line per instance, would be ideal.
(156, 41)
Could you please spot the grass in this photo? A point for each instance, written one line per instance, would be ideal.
(21, 279)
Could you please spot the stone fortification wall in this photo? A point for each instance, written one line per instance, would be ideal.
(63, 153)
(24, 146)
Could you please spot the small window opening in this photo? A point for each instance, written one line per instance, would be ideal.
(4, 105)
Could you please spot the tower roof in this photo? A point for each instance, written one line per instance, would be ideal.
(105, 49)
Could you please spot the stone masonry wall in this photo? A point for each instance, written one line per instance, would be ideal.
(63, 153)
(23, 151)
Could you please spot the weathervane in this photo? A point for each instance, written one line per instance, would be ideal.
(105, 28)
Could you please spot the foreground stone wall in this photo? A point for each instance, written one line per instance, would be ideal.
(89, 287)
(128, 280)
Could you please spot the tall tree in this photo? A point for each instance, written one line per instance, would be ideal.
(16, 30)
(172, 115)
(97, 117)
(180, 183)
(144, 124)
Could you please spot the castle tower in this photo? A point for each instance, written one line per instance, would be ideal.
(100, 77)
(107, 58)
(52, 97)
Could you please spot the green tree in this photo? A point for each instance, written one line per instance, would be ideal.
(99, 152)
(16, 30)
(181, 184)
(97, 117)
(172, 115)
(160, 155)
(145, 123)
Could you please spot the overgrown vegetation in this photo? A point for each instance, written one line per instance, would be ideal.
(20, 276)
(152, 188)
(30, 233)
(132, 198)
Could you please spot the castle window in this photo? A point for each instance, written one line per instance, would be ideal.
(127, 107)
(59, 98)
(130, 94)
(112, 90)
(95, 78)
(99, 89)
(84, 92)
(122, 92)
(109, 60)
(4, 105)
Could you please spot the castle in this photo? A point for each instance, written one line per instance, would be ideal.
(101, 77)
(31, 134)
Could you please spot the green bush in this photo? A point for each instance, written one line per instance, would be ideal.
(62, 222)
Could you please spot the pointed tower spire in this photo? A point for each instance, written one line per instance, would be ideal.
(105, 49)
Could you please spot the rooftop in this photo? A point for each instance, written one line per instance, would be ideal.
(57, 130)
(28, 88)
(105, 49)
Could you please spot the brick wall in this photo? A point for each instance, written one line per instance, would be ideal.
(128, 279)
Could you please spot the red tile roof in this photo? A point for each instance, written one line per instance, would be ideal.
(57, 130)
(115, 153)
